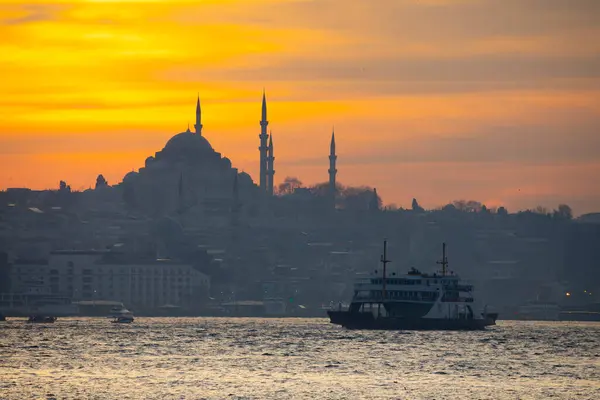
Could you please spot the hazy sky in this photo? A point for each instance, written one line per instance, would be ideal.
(493, 100)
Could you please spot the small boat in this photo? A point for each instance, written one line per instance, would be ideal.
(122, 320)
(414, 301)
(41, 319)
(121, 316)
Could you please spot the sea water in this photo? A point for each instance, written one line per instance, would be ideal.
(250, 358)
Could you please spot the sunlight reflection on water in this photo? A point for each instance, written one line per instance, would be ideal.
(214, 358)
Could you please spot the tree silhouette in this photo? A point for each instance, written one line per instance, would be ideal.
(449, 208)
(540, 210)
(563, 212)
(416, 207)
(359, 198)
(101, 182)
(289, 185)
(63, 187)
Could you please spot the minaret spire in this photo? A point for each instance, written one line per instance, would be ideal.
(198, 124)
(264, 106)
(263, 144)
(270, 165)
(332, 166)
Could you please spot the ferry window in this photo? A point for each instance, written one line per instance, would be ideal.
(418, 282)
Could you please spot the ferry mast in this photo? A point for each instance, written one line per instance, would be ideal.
(384, 261)
(444, 261)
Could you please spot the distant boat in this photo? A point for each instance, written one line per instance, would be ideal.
(415, 301)
(121, 315)
(41, 319)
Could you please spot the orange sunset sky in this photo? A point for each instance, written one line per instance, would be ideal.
(492, 100)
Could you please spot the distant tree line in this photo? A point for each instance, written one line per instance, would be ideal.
(356, 197)
(346, 197)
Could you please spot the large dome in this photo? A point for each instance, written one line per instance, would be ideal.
(187, 141)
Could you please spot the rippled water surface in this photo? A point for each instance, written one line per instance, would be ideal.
(215, 358)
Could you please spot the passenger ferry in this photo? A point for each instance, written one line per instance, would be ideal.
(415, 301)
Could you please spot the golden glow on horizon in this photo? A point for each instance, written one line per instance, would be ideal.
(92, 86)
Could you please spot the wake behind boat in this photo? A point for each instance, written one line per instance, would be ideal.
(415, 301)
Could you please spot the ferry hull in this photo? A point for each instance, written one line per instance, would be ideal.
(362, 320)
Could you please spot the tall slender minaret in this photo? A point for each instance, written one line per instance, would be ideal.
(332, 161)
(198, 124)
(263, 144)
(270, 165)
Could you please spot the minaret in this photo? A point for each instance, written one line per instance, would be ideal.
(263, 144)
(332, 161)
(198, 124)
(270, 165)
